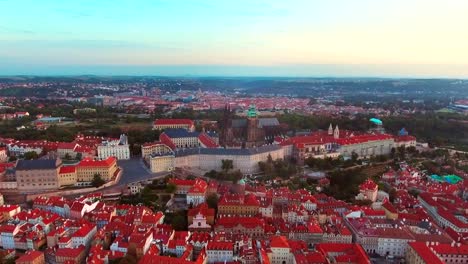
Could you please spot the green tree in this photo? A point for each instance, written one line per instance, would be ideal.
(392, 153)
(171, 188)
(128, 259)
(30, 155)
(179, 221)
(97, 180)
(227, 165)
(212, 200)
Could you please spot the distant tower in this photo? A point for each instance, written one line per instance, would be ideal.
(226, 136)
(330, 130)
(252, 127)
(123, 139)
(336, 133)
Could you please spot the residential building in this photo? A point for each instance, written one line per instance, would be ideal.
(154, 147)
(31, 257)
(87, 168)
(238, 205)
(67, 149)
(115, 148)
(197, 193)
(343, 253)
(368, 191)
(7, 211)
(161, 162)
(70, 255)
(162, 124)
(3, 154)
(251, 226)
(38, 174)
(447, 210)
(280, 250)
(220, 252)
(67, 175)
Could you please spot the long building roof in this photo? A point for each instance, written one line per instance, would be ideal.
(262, 122)
(46, 164)
(180, 133)
(223, 151)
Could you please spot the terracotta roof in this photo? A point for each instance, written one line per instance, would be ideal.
(70, 252)
(8, 208)
(207, 141)
(279, 242)
(247, 222)
(67, 145)
(67, 169)
(173, 122)
(220, 245)
(347, 252)
(425, 253)
(97, 163)
(30, 256)
(83, 231)
(389, 207)
(368, 185)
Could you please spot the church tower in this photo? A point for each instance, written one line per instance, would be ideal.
(252, 127)
(330, 130)
(226, 136)
(336, 133)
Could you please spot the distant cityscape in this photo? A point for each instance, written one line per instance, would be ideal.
(177, 171)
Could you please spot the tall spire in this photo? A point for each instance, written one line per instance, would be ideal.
(252, 112)
(330, 130)
(336, 133)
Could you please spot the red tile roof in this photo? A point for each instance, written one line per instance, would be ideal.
(173, 122)
(30, 256)
(97, 163)
(207, 141)
(220, 245)
(70, 252)
(202, 209)
(349, 252)
(8, 208)
(84, 231)
(368, 185)
(425, 253)
(67, 169)
(247, 222)
(279, 242)
(67, 145)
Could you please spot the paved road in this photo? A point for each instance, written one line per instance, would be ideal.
(134, 170)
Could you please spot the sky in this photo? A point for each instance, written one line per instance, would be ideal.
(388, 38)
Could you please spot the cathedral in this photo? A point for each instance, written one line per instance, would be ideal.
(247, 132)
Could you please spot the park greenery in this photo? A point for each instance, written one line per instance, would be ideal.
(277, 168)
(97, 180)
(232, 175)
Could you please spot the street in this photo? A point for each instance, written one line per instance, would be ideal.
(134, 170)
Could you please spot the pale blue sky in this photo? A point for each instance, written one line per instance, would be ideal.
(238, 37)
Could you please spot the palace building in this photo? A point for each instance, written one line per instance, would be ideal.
(248, 132)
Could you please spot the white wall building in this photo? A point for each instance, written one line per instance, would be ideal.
(245, 160)
(118, 148)
(280, 251)
(220, 252)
